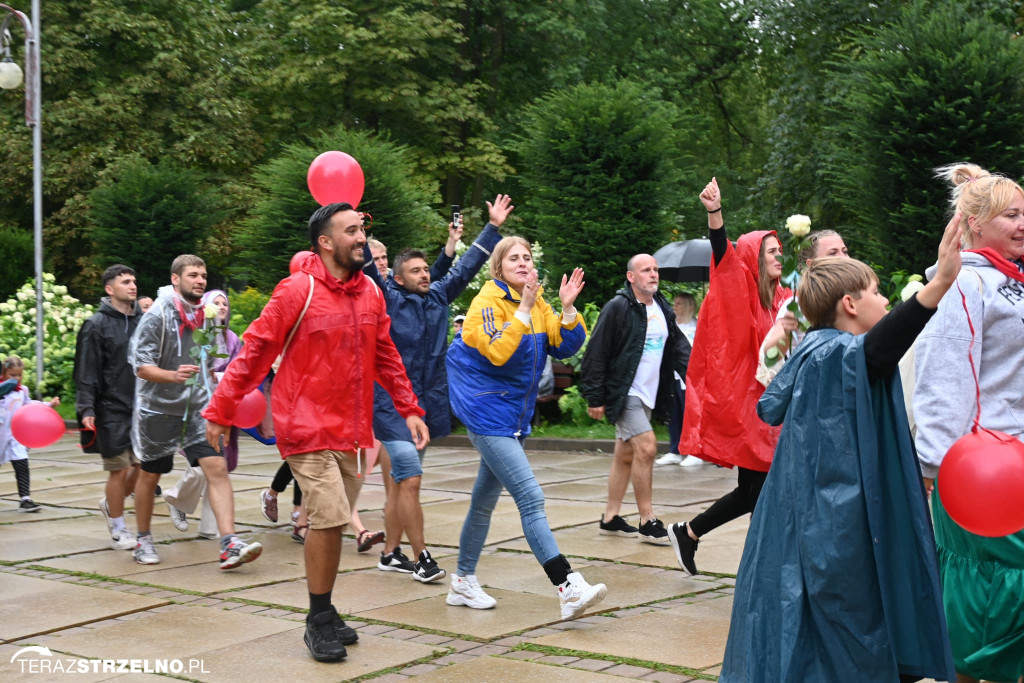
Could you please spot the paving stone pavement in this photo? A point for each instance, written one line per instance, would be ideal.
(64, 589)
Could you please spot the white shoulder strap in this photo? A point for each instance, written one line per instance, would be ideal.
(309, 298)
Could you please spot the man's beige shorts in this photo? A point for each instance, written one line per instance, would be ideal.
(120, 462)
(328, 482)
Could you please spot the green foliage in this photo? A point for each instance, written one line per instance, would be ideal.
(144, 215)
(574, 407)
(246, 306)
(590, 313)
(598, 163)
(63, 316)
(940, 85)
(16, 265)
(395, 195)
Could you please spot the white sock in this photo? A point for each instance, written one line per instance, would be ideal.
(26, 497)
(117, 524)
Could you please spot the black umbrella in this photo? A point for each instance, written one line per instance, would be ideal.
(687, 261)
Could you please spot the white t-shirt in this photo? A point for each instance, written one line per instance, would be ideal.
(688, 329)
(645, 381)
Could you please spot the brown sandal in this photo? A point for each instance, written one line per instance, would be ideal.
(299, 537)
(367, 539)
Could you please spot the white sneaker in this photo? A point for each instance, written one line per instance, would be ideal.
(669, 459)
(178, 518)
(122, 540)
(466, 590)
(576, 595)
(691, 461)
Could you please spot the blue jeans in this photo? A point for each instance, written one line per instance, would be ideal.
(406, 461)
(503, 464)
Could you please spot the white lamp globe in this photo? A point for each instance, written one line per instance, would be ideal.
(10, 74)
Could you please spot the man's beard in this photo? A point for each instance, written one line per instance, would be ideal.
(348, 262)
(189, 297)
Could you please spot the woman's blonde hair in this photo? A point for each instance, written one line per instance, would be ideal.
(978, 193)
(766, 284)
(828, 280)
(501, 251)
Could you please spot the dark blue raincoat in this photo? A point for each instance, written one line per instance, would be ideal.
(839, 579)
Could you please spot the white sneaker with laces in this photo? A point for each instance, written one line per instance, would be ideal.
(145, 551)
(466, 590)
(576, 595)
(691, 461)
(669, 459)
(122, 540)
(178, 518)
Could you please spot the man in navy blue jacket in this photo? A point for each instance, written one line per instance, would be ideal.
(418, 308)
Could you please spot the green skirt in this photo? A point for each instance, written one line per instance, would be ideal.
(983, 594)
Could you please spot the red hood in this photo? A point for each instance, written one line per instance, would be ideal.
(748, 247)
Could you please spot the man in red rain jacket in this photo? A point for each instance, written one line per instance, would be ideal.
(332, 350)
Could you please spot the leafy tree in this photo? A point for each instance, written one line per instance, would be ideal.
(396, 197)
(143, 215)
(156, 78)
(18, 249)
(940, 85)
(598, 165)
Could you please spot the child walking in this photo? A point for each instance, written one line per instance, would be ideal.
(839, 577)
(15, 397)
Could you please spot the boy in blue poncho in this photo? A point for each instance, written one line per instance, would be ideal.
(839, 580)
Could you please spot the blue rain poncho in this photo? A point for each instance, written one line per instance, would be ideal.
(839, 579)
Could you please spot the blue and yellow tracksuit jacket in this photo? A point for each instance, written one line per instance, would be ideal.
(495, 364)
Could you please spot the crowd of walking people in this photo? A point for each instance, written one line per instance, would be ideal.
(842, 577)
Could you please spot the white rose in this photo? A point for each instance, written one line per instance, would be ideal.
(210, 311)
(911, 289)
(798, 225)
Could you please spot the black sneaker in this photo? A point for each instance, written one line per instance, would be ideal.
(684, 546)
(27, 505)
(427, 570)
(617, 527)
(322, 637)
(395, 561)
(653, 531)
(346, 634)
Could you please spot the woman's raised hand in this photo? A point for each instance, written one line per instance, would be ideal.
(529, 295)
(571, 288)
(711, 197)
(948, 266)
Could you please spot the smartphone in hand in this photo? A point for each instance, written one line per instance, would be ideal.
(456, 216)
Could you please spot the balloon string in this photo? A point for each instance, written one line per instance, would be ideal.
(970, 357)
(91, 442)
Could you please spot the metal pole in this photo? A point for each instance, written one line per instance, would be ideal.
(34, 90)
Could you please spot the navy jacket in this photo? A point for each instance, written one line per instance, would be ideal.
(419, 328)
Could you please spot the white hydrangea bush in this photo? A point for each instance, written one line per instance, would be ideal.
(63, 315)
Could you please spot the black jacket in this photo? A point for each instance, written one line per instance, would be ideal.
(104, 381)
(616, 345)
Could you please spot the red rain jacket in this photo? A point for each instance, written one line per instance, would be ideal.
(323, 390)
(720, 422)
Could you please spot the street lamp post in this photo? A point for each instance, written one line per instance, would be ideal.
(33, 110)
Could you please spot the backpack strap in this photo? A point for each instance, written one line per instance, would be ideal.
(295, 327)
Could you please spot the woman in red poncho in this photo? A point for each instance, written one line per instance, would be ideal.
(720, 423)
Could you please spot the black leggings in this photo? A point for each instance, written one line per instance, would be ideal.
(736, 503)
(280, 483)
(21, 476)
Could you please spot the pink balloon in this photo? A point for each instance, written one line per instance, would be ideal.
(980, 483)
(335, 177)
(250, 410)
(37, 425)
(293, 265)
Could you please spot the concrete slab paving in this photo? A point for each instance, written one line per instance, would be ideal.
(284, 657)
(502, 670)
(632, 636)
(354, 592)
(9, 513)
(31, 606)
(185, 633)
(514, 612)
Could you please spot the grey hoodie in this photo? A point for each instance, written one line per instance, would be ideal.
(944, 395)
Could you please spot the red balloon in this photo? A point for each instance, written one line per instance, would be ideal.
(980, 483)
(335, 177)
(37, 425)
(293, 265)
(250, 410)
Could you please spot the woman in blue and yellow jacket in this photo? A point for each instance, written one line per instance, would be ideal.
(494, 369)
